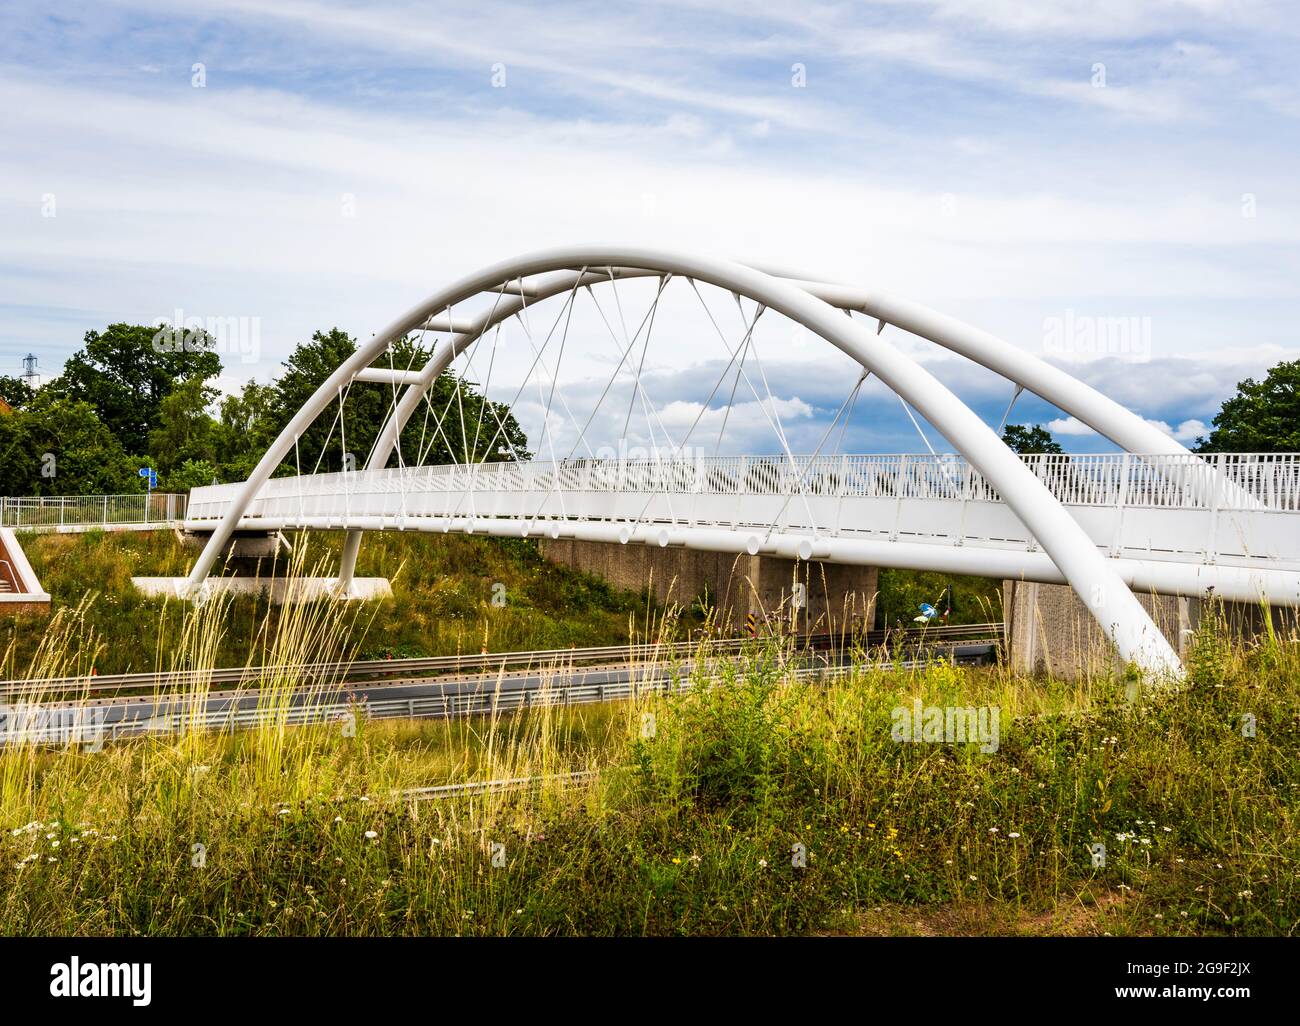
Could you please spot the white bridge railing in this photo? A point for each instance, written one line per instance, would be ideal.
(1224, 482)
(1223, 519)
(50, 512)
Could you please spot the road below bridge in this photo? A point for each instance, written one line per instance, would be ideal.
(397, 694)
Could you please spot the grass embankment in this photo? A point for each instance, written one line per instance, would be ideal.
(693, 822)
(444, 589)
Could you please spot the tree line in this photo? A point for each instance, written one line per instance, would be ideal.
(124, 401)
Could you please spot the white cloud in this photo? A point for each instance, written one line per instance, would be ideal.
(1187, 431)
(1069, 426)
(1190, 430)
(1101, 19)
(677, 129)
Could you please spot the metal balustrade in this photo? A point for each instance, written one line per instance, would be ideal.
(1230, 481)
(51, 512)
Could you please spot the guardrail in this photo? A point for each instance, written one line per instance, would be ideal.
(37, 512)
(83, 724)
(379, 670)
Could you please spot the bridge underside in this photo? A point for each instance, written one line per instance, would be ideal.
(803, 545)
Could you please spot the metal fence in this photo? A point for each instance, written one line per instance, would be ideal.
(50, 512)
(1220, 481)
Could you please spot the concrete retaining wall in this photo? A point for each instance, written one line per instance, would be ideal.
(22, 592)
(1049, 630)
(836, 596)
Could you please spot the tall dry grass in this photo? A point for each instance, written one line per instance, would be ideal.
(701, 803)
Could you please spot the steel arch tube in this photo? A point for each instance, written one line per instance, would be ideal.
(1072, 396)
(1115, 608)
(1064, 391)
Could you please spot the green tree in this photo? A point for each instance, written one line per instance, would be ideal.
(58, 446)
(126, 371)
(491, 433)
(244, 431)
(488, 427)
(15, 391)
(186, 431)
(359, 407)
(1026, 440)
(1264, 416)
(190, 474)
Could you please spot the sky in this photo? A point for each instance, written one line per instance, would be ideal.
(1051, 172)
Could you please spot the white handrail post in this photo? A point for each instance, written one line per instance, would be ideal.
(1211, 546)
(965, 502)
(844, 487)
(898, 497)
(1121, 497)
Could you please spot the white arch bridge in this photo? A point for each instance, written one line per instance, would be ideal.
(1151, 518)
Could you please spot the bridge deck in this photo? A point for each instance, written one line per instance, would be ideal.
(1234, 510)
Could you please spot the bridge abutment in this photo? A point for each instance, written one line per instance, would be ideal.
(1049, 629)
(242, 544)
(835, 597)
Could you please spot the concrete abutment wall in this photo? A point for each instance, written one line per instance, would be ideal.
(836, 597)
(1049, 630)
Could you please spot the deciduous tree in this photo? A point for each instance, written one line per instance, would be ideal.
(1264, 416)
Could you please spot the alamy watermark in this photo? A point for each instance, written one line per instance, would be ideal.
(241, 336)
(53, 725)
(1081, 335)
(624, 453)
(952, 724)
(77, 979)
